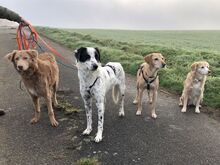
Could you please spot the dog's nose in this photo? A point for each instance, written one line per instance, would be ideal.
(95, 66)
(20, 67)
(209, 71)
(163, 65)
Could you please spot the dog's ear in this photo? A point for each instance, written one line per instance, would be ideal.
(10, 56)
(97, 55)
(148, 58)
(32, 53)
(194, 66)
(77, 52)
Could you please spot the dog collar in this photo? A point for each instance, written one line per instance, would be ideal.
(197, 80)
(90, 87)
(147, 80)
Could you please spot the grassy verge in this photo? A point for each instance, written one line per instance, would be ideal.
(130, 55)
(88, 161)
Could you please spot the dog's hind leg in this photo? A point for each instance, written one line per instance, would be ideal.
(100, 106)
(88, 108)
(54, 95)
(36, 117)
(53, 121)
(136, 97)
(121, 109)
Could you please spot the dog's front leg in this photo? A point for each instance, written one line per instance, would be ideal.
(185, 100)
(88, 108)
(181, 101)
(154, 101)
(51, 115)
(140, 95)
(150, 93)
(198, 101)
(100, 107)
(36, 117)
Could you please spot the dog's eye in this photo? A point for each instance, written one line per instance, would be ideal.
(17, 58)
(25, 58)
(156, 59)
(202, 67)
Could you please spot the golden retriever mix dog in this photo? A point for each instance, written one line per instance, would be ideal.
(194, 85)
(147, 78)
(40, 75)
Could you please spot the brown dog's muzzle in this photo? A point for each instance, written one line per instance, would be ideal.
(20, 67)
(163, 64)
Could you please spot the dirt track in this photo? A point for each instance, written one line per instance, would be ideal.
(174, 138)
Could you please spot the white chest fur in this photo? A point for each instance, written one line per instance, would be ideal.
(196, 88)
(32, 91)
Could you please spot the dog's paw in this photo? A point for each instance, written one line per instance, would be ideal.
(121, 114)
(197, 111)
(34, 120)
(180, 104)
(54, 123)
(138, 113)
(56, 105)
(87, 131)
(183, 110)
(135, 102)
(154, 116)
(98, 137)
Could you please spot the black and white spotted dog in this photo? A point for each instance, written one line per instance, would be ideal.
(95, 82)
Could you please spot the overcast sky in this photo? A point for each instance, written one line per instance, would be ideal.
(119, 14)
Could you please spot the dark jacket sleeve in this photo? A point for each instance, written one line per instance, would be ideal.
(10, 15)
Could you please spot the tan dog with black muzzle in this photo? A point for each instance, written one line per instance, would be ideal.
(147, 78)
(194, 85)
(40, 75)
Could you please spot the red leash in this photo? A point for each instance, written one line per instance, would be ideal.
(27, 38)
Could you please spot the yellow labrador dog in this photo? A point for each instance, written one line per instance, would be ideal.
(147, 78)
(194, 85)
(40, 75)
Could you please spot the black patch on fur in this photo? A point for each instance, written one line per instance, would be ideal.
(112, 67)
(82, 55)
(97, 55)
(108, 72)
(2, 112)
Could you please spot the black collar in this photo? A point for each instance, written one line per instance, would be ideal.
(90, 87)
(148, 82)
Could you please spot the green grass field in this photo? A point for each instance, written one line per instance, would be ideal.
(180, 48)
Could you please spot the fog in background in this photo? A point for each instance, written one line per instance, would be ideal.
(120, 14)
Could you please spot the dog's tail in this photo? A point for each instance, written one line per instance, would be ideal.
(115, 93)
